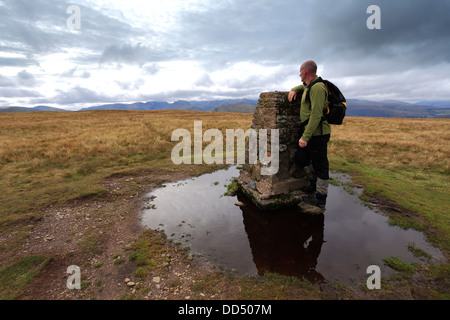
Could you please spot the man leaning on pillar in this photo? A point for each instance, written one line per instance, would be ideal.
(315, 133)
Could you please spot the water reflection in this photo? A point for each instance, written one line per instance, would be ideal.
(286, 243)
(336, 246)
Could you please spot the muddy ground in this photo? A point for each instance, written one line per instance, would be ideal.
(97, 234)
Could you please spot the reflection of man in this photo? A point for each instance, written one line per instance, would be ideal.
(284, 242)
(312, 151)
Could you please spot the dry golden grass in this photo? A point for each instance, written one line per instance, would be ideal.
(392, 143)
(51, 157)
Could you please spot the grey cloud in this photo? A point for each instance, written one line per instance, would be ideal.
(204, 81)
(126, 53)
(17, 62)
(414, 37)
(18, 93)
(411, 32)
(40, 27)
(25, 78)
(151, 69)
(253, 31)
(6, 81)
(78, 95)
(69, 73)
(134, 85)
(73, 73)
(262, 82)
(21, 19)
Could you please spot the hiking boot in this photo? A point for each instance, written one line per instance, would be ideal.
(319, 200)
(311, 188)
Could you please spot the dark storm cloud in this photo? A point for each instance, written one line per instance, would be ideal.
(413, 40)
(40, 27)
(412, 32)
(241, 31)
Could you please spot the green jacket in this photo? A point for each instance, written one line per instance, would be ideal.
(313, 110)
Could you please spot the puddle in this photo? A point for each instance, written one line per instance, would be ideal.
(337, 246)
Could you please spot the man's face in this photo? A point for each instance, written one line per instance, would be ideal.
(302, 74)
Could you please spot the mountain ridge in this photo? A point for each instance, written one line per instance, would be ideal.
(356, 107)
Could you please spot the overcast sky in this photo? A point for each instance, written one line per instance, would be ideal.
(143, 50)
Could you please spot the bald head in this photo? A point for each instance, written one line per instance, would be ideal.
(310, 66)
(308, 71)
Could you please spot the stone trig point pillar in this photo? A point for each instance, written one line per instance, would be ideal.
(282, 189)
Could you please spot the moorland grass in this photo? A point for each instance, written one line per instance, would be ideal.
(53, 157)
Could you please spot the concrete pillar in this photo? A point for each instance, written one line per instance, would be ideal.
(282, 189)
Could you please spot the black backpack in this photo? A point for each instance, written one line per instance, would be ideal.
(337, 105)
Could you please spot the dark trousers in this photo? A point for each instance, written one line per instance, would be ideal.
(315, 153)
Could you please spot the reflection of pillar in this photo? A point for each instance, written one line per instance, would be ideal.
(282, 189)
(286, 243)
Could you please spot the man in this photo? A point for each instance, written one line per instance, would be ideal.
(312, 151)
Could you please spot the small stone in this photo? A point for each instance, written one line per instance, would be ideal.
(252, 185)
(188, 297)
(239, 204)
(127, 280)
(156, 279)
(131, 284)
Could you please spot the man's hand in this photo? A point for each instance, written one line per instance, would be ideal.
(292, 95)
(302, 143)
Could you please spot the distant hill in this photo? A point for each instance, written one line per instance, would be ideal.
(238, 107)
(356, 107)
(153, 105)
(23, 109)
(438, 104)
(177, 105)
(365, 108)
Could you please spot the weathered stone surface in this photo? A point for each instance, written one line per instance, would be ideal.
(283, 189)
(310, 209)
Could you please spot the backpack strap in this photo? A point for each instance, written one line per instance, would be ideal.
(309, 86)
(308, 99)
